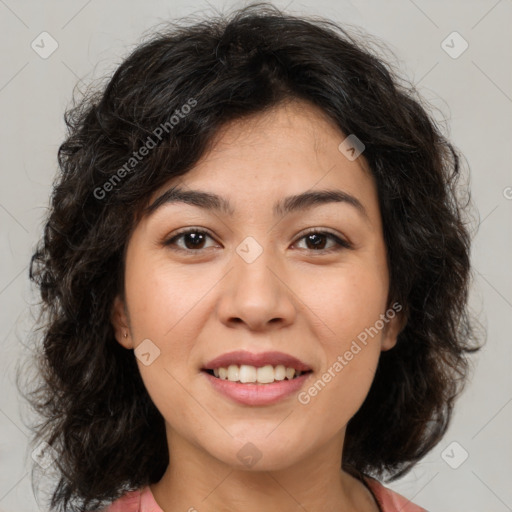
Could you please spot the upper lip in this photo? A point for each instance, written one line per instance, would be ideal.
(240, 357)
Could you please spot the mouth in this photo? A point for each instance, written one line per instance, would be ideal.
(248, 374)
(256, 386)
(256, 368)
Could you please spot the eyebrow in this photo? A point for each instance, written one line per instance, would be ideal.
(299, 202)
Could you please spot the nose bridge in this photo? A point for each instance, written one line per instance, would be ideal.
(254, 293)
(254, 280)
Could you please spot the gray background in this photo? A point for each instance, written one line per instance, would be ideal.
(473, 92)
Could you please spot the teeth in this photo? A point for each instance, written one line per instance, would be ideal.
(247, 373)
(279, 372)
(290, 372)
(263, 375)
(233, 372)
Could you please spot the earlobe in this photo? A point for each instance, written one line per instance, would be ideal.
(391, 331)
(120, 323)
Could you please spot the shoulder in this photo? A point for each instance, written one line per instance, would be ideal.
(391, 501)
(140, 500)
(129, 502)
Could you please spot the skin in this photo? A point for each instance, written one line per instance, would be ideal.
(294, 298)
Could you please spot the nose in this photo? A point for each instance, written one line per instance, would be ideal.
(257, 295)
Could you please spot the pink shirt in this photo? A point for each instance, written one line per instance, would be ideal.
(142, 500)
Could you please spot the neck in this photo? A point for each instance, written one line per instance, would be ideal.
(197, 482)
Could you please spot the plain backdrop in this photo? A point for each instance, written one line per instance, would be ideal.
(472, 92)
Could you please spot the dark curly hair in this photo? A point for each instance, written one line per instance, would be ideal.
(97, 415)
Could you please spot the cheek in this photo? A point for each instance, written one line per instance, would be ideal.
(348, 300)
(164, 303)
(163, 297)
(180, 409)
(335, 396)
(351, 351)
(349, 304)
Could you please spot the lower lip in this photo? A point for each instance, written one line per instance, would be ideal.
(257, 394)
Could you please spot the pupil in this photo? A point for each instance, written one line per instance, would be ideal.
(196, 238)
(316, 245)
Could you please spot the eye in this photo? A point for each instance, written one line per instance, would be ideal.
(193, 239)
(316, 239)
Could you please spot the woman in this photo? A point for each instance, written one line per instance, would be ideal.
(255, 273)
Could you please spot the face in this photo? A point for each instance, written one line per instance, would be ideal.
(255, 279)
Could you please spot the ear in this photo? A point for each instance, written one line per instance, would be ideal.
(119, 319)
(393, 327)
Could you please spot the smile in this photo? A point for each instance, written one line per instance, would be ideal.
(249, 374)
(256, 393)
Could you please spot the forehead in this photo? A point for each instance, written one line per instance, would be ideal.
(295, 124)
(288, 150)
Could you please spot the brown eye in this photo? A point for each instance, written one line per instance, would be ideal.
(316, 241)
(193, 240)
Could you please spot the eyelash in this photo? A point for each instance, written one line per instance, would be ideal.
(340, 243)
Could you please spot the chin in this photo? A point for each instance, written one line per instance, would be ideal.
(260, 454)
